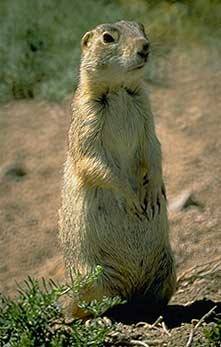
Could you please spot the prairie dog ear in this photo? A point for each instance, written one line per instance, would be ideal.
(85, 41)
(142, 28)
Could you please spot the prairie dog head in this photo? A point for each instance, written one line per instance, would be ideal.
(115, 53)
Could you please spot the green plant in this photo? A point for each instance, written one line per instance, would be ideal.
(36, 318)
(213, 334)
(97, 308)
(40, 44)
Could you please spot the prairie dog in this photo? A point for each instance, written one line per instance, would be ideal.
(113, 209)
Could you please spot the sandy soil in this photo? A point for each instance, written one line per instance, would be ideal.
(33, 139)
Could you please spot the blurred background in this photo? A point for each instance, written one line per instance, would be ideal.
(39, 40)
(39, 62)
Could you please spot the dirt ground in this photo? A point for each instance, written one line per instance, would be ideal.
(187, 112)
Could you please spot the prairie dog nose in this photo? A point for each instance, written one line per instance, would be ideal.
(143, 49)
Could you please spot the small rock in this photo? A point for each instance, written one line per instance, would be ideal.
(184, 201)
(14, 171)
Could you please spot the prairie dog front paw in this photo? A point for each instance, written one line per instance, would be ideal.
(154, 195)
(133, 204)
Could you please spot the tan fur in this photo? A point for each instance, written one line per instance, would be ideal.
(113, 209)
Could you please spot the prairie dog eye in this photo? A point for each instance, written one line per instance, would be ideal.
(108, 38)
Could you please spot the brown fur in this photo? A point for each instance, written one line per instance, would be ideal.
(113, 209)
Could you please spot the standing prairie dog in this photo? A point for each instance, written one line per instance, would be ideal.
(113, 209)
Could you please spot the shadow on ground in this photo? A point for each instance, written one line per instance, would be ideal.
(173, 315)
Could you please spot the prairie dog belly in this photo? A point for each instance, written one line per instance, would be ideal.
(121, 132)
